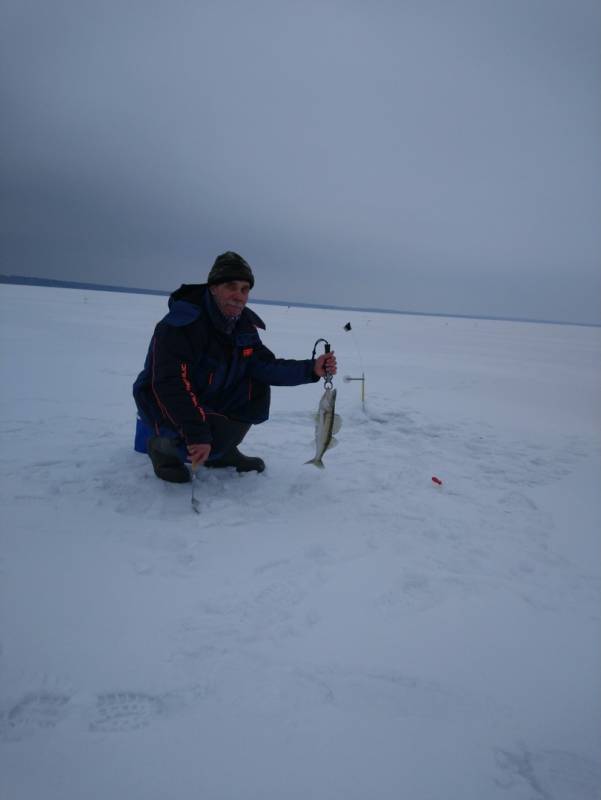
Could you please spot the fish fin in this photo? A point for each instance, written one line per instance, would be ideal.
(317, 462)
(332, 443)
(337, 424)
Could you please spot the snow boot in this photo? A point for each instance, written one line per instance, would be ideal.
(166, 460)
(234, 458)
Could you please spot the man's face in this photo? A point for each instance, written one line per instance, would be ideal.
(231, 297)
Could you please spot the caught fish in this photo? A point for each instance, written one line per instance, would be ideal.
(327, 423)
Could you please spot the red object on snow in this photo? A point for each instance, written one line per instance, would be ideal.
(436, 480)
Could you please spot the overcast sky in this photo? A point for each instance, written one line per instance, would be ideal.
(425, 155)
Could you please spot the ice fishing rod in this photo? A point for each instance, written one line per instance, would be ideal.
(326, 348)
(348, 378)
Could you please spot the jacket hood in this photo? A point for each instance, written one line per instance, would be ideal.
(194, 294)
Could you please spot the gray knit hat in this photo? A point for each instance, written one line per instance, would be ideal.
(230, 267)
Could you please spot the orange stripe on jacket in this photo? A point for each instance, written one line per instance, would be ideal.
(188, 388)
(187, 384)
(154, 391)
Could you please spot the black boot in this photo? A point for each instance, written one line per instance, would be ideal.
(234, 458)
(166, 460)
(227, 435)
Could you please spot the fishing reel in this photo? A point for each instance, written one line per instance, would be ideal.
(327, 378)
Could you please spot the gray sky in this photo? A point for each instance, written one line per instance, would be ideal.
(426, 155)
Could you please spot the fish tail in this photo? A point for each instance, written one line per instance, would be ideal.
(317, 462)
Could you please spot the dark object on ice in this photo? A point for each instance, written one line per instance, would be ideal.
(166, 460)
(436, 480)
(347, 327)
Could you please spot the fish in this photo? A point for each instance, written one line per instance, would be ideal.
(327, 423)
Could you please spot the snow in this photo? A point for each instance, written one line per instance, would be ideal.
(353, 632)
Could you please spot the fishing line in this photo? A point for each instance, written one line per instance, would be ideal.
(348, 327)
(358, 350)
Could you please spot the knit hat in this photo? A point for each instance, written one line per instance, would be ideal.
(230, 267)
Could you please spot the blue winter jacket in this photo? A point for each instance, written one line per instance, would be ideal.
(196, 367)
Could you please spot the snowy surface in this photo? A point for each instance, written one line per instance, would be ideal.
(351, 633)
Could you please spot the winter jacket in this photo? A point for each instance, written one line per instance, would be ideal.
(196, 367)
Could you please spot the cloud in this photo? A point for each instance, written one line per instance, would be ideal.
(413, 152)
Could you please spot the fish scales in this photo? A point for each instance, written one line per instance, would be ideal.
(326, 425)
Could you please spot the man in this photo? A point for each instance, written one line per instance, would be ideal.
(207, 376)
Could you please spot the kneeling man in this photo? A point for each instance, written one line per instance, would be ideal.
(207, 376)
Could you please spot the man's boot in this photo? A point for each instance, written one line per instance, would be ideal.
(234, 458)
(233, 432)
(166, 460)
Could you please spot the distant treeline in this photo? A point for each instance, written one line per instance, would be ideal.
(96, 287)
(101, 287)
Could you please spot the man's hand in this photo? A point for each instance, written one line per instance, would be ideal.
(325, 365)
(198, 454)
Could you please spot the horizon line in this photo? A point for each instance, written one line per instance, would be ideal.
(22, 280)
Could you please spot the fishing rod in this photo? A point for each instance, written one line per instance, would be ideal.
(347, 378)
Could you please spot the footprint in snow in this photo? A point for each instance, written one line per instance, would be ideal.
(517, 501)
(125, 711)
(34, 712)
(549, 773)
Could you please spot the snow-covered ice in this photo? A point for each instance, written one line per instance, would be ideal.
(341, 634)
